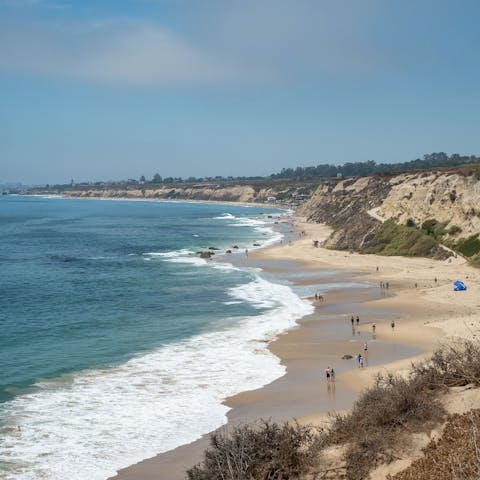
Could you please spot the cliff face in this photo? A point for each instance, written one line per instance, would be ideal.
(344, 205)
(450, 197)
(232, 194)
(286, 193)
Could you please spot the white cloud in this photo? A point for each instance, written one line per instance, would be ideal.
(125, 53)
(228, 43)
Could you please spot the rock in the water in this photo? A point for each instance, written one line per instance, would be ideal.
(347, 357)
(213, 248)
(235, 246)
(205, 254)
(228, 251)
(256, 245)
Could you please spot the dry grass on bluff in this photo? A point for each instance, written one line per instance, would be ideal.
(456, 455)
(370, 435)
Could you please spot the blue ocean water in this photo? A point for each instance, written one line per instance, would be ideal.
(117, 342)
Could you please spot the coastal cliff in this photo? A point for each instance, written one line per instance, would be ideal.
(361, 209)
(236, 193)
(285, 193)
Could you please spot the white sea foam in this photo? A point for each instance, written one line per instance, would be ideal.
(52, 196)
(87, 426)
(263, 227)
(177, 256)
(225, 216)
(171, 254)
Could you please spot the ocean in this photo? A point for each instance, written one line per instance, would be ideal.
(117, 342)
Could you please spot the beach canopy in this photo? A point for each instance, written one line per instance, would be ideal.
(459, 286)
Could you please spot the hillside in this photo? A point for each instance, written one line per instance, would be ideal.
(419, 210)
(286, 193)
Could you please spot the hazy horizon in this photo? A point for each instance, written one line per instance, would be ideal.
(99, 91)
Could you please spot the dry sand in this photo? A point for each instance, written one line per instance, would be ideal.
(435, 313)
(432, 314)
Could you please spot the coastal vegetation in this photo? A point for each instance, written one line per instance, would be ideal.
(394, 239)
(266, 450)
(437, 232)
(370, 167)
(370, 435)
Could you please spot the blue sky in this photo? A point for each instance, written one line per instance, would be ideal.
(99, 90)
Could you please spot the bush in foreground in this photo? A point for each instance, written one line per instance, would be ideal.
(264, 451)
(454, 456)
(454, 365)
(391, 407)
(371, 434)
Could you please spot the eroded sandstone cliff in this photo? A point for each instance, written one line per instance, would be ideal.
(451, 197)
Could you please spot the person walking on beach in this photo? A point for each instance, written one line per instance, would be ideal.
(328, 372)
(393, 324)
(365, 349)
(360, 360)
(352, 320)
(358, 320)
(332, 374)
(374, 328)
(246, 253)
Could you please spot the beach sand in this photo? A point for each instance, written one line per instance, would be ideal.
(426, 314)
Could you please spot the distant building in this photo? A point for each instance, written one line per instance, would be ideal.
(271, 199)
(301, 197)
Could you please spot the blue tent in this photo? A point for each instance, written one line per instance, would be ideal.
(459, 286)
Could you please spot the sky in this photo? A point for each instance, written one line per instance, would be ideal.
(110, 90)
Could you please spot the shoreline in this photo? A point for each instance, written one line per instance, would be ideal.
(420, 287)
(160, 200)
(414, 330)
(301, 392)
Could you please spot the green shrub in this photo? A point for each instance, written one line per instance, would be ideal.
(410, 223)
(469, 246)
(429, 225)
(454, 229)
(394, 239)
(434, 228)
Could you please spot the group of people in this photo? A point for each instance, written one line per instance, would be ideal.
(319, 298)
(330, 374)
(355, 320)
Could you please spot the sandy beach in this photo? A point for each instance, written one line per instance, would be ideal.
(420, 300)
